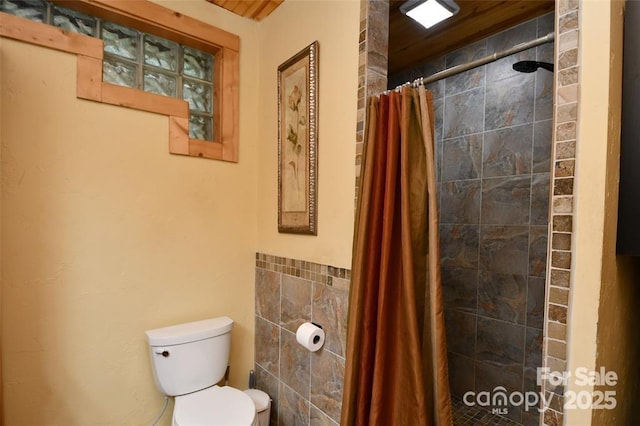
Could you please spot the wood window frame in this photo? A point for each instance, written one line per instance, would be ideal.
(160, 21)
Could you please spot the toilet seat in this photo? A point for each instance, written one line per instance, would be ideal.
(214, 406)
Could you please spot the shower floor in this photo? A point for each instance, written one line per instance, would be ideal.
(464, 415)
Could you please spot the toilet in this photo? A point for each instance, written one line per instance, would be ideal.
(188, 360)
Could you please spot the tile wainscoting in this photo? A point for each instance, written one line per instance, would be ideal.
(306, 387)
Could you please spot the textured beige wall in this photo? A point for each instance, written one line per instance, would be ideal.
(596, 189)
(618, 343)
(292, 27)
(618, 348)
(106, 235)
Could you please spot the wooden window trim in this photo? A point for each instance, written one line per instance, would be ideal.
(148, 17)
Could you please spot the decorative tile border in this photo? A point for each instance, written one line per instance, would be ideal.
(301, 268)
(372, 64)
(562, 202)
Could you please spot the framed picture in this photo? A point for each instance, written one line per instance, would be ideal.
(298, 142)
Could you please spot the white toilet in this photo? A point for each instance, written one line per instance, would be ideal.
(188, 360)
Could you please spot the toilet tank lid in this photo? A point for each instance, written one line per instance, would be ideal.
(189, 332)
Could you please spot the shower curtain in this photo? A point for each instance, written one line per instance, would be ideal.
(396, 362)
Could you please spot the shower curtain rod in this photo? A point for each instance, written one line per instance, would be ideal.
(478, 62)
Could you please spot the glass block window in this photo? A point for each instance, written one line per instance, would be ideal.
(156, 65)
(138, 60)
(34, 10)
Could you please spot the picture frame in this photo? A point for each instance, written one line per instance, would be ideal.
(298, 142)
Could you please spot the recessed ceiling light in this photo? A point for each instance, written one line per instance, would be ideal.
(430, 12)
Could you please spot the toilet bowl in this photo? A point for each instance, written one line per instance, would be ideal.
(188, 360)
(214, 406)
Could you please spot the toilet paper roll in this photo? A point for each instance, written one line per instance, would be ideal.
(310, 336)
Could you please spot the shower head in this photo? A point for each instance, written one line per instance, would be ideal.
(531, 66)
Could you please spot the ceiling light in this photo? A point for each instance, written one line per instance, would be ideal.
(430, 12)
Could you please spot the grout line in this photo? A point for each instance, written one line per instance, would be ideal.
(531, 165)
(496, 129)
(521, 175)
(553, 160)
(269, 321)
(317, 408)
(481, 177)
(279, 331)
(313, 287)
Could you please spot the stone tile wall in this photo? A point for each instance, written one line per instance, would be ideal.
(493, 146)
(372, 64)
(306, 387)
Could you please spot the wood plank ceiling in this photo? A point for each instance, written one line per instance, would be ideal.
(254, 9)
(410, 44)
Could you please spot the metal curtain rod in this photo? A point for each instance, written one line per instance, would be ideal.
(479, 62)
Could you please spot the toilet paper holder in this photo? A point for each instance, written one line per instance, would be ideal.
(316, 338)
(311, 336)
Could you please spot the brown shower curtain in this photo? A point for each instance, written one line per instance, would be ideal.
(396, 367)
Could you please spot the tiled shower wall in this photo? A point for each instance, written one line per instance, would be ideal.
(306, 387)
(493, 142)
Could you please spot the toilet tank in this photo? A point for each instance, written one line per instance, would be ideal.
(189, 357)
